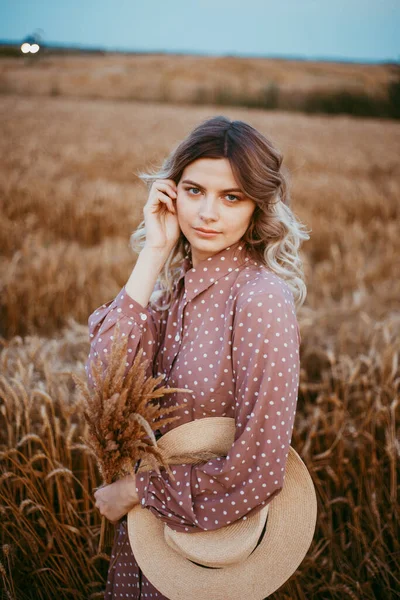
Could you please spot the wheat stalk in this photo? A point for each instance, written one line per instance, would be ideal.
(123, 412)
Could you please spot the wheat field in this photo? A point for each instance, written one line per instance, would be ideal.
(70, 199)
(187, 78)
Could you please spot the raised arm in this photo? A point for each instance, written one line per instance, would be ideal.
(138, 321)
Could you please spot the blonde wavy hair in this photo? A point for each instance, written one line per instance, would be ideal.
(274, 234)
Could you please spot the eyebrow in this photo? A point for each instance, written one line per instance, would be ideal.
(202, 188)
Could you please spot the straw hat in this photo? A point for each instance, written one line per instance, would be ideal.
(251, 558)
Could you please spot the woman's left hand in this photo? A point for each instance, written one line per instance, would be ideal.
(117, 499)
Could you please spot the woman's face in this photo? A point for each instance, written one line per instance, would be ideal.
(208, 197)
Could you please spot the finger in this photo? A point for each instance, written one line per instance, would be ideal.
(168, 181)
(168, 201)
(166, 186)
(164, 199)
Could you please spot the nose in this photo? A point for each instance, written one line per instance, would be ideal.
(208, 211)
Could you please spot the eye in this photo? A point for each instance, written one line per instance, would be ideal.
(236, 198)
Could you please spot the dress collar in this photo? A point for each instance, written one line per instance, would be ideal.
(208, 271)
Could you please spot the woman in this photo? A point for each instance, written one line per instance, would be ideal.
(211, 300)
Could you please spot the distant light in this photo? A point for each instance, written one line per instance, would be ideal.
(35, 48)
(25, 48)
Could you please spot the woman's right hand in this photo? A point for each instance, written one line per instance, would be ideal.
(160, 216)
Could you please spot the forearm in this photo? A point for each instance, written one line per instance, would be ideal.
(148, 266)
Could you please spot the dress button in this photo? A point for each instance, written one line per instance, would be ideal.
(143, 317)
(177, 337)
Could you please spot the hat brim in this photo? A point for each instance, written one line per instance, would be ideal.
(289, 532)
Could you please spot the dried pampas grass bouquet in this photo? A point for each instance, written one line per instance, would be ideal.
(122, 414)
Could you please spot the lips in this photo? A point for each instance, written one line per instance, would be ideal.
(206, 230)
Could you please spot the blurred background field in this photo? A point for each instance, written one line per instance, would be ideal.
(69, 200)
(253, 82)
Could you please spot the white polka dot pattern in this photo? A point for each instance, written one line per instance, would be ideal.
(124, 578)
(231, 335)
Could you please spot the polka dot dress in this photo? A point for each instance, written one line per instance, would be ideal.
(232, 337)
(125, 579)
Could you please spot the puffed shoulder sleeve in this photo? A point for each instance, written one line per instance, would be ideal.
(143, 326)
(265, 362)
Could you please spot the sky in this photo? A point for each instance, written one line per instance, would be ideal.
(350, 30)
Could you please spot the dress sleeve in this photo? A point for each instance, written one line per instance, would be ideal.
(265, 360)
(142, 325)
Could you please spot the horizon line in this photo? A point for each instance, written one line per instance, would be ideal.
(119, 50)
